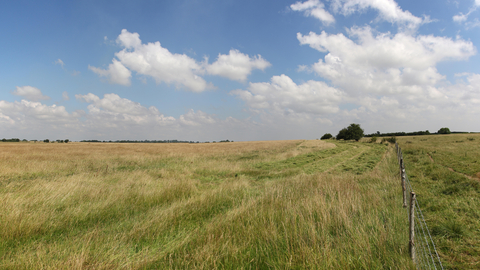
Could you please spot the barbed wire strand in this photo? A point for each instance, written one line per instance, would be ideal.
(421, 230)
(424, 242)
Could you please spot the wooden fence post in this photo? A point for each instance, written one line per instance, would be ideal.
(412, 226)
(404, 189)
(401, 166)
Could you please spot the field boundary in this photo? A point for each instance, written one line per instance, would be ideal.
(422, 248)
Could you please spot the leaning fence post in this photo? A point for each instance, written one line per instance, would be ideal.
(412, 226)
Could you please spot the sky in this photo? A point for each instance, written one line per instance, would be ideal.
(208, 70)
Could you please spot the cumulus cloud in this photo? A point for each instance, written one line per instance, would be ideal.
(192, 118)
(152, 60)
(283, 96)
(30, 93)
(116, 73)
(111, 117)
(388, 11)
(314, 8)
(35, 120)
(125, 119)
(116, 111)
(157, 62)
(383, 63)
(236, 65)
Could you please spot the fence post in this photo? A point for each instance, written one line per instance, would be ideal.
(398, 152)
(404, 189)
(412, 226)
(401, 166)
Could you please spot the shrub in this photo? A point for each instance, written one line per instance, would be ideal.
(342, 134)
(392, 139)
(353, 132)
(373, 139)
(326, 136)
(444, 130)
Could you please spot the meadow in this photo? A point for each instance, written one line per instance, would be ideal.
(242, 205)
(444, 171)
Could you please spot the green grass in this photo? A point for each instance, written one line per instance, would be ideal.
(448, 193)
(274, 205)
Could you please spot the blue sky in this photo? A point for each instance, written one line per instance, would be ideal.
(238, 70)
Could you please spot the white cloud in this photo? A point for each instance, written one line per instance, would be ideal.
(30, 93)
(236, 65)
(157, 62)
(383, 63)
(65, 95)
(113, 117)
(129, 40)
(192, 118)
(388, 11)
(314, 8)
(116, 73)
(460, 18)
(59, 62)
(29, 119)
(392, 78)
(387, 51)
(151, 59)
(113, 106)
(283, 96)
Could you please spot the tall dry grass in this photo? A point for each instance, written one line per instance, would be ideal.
(199, 206)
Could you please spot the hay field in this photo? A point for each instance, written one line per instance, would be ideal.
(241, 205)
(444, 170)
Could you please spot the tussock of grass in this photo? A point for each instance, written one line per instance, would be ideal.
(202, 206)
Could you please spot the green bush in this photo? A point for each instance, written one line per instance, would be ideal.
(444, 130)
(326, 136)
(392, 139)
(373, 139)
(353, 132)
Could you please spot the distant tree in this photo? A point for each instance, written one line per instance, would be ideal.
(444, 130)
(67, 140)
(354, 132)
(342, 134)
(326, 136)
(46, 141)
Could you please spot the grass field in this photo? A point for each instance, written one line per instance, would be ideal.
(445, 173)
(242, 205)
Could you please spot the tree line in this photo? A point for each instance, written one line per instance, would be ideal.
(355, 132)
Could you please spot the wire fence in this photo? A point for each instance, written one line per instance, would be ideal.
(422, 248)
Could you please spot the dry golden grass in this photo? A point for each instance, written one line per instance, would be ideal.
(242, 205)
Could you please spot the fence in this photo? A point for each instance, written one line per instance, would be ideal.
(421, 246)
